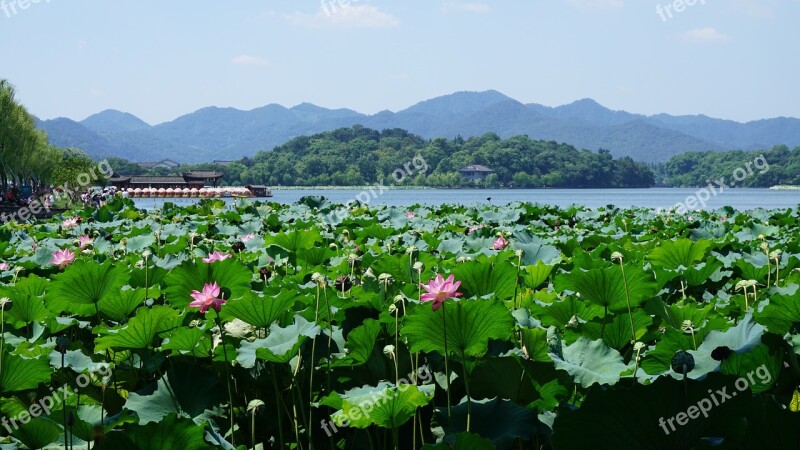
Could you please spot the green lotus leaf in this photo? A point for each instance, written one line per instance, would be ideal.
(189, 341)
(140, 331)
(470, 326)
(679, 254)
(38, 433)
(758, 367)
(138, 243)
(608, 287)
(77, 361)
(360, 343)
(185, 389)
(280, 346)
(121, 304)
(20, 374)
(535, 275)
(387, 405)
(535, 342)
(295, 240)
(26, 309)
(229, 274)
(780, 315)
(260, 312)
(82, 285)
(534, 253)
(169, 433)
(481, 277)
(590, 362)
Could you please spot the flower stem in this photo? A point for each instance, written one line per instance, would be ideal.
(628, 301)
(447, 368)
(227, 375)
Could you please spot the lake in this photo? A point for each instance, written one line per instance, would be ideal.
(664, 198)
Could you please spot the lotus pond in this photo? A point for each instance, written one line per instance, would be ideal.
(286, 326)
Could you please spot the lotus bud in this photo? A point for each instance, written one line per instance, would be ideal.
(687, 325)
(638, 346)
(392, 308)
(411, 249)
(385, 278)
(254, 405)
(518, 253)
(616, 257)
(389, 351)
(418, 266)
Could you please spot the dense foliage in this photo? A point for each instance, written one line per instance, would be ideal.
(778, 166)
(574, 329)
(25, 155)
(27, 158)
(358, 156)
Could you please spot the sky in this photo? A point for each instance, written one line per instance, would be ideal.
(732, 59)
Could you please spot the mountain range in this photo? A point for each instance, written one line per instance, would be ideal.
(228, 134)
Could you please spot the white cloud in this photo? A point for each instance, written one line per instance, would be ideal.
(249, 60)
(708, 34)
(335, 15)
(470, 7)
(597, 4)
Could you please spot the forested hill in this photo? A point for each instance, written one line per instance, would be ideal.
(358, 156)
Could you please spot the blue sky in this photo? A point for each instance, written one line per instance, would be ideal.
(733, 59)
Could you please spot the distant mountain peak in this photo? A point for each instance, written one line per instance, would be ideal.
(215, 133)
(114, 121)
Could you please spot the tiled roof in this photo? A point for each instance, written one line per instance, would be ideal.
(163, 180)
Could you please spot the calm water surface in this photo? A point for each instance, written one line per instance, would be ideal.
(741, 199)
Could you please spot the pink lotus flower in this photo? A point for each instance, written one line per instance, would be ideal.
(500, 243)
(439, 290)
(248, 237)
(84, 241)
(5, 266)
(410, 215)
(62, 258)
(70, 223)
(216, 256)
(208, 298)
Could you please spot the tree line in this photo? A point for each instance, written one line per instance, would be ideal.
(27, 160)
(776, 166)
(359, 156)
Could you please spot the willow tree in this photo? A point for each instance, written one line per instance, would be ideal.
(26, 157)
